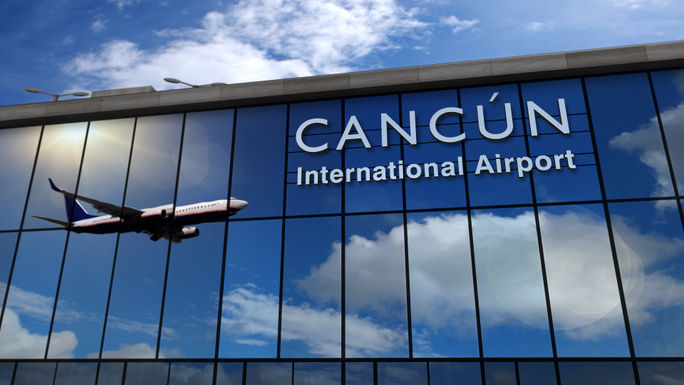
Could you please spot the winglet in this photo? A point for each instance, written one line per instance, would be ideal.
(52, 184)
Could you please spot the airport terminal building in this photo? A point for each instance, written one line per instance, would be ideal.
(514, 221)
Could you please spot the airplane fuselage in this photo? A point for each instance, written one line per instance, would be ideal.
(201, 212)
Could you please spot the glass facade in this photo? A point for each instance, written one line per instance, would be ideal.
(522, 233)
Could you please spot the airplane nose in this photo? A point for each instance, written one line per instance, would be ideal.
(238, 204)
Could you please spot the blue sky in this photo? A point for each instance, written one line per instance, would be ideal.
(64, 45)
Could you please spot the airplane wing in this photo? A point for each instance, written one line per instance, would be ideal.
(125, 212)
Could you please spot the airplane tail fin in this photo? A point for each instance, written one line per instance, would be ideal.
(75, 212)
(56, 221)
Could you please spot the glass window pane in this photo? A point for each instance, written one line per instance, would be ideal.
(596, 373)
(258, 170)
(489, 183)
(17, 147)
(661, 373)
(585, 303)
(35, 373)
(669, 88)
(496, 110)
(402, 373)
(205, 163)
(546, 94)
(191, 373)
(380, 195)
(76, 373)
(8, 242)
(88, 264)
(375, 285)
(312, 288)
(358, 373)
(628, 137)
(436, 191)
(650, 248)
(59, 158)
(322, 197)
(537, 373)
(448, 373)
(194, 279)
(111, 373)
(249, 323)
(509, 280)
(268, 373)
(136, 294)
(195, 264)
(317, 373)
(31, 297)
(6, 373)
(229, 373)
(147, 373)
(561, 182)
(441, 278)
(433, 189)
(499, 373)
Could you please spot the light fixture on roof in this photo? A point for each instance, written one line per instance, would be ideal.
(176, 81)
(55, 97)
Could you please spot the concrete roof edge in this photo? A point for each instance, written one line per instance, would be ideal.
(468, 73)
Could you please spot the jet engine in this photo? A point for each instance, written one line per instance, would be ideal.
(189, 232)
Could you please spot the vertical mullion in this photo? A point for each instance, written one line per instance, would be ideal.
(225, 245)
(116, 244)
(611, 239)
(170, 233)
(406, 250)
(472, 250)
(123, 374)
(282, 237)
(540, 245)
(667, 151)
(343, 256)
(66, 243)
(21, 226)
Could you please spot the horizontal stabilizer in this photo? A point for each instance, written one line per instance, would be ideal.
(57, 221)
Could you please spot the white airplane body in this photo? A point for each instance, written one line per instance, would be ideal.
(159, 222)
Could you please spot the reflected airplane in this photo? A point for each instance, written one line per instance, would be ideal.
(158, 222)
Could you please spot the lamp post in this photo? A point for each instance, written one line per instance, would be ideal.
(55, 97)
(176, 81)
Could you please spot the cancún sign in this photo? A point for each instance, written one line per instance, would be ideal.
(353, 131)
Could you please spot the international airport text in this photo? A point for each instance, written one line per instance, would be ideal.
(520, 165)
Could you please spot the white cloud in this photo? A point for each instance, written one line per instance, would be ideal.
(141, 350)
(254, 40)
(98, 25)
(18, 342)
(584, 296)
(536, 26)
(190, 373)
(121, 4)
(251, 319)
(636, 4)
(456, 24)
(646, 141)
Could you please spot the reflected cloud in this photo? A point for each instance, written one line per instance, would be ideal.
(16, 341)
(141, 350)
(575, 260)
(193, 373)
(647, 143)
(584, 312)
(250, 318)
